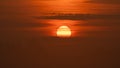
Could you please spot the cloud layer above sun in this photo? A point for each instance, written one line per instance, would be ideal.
(104, 1)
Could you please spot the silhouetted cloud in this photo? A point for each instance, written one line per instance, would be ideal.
(104, 1)
(79, 16)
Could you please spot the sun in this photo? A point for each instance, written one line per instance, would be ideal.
(63, 31)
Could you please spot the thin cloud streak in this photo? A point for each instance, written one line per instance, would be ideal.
(79, 16)
(104, 1)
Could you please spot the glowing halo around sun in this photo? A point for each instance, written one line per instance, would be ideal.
(64, 32)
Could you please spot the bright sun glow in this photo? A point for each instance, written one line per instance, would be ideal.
(64, 31)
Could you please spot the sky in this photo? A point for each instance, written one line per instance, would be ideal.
(25, 9)
(28, 34)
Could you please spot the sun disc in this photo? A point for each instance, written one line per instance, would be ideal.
(63, 31)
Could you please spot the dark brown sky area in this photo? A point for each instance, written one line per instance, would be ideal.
(28, 34)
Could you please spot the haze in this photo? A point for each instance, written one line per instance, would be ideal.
(28, 34)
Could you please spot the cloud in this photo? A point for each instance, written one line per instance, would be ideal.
(104, 1)
(20, 22)
(79, 16)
